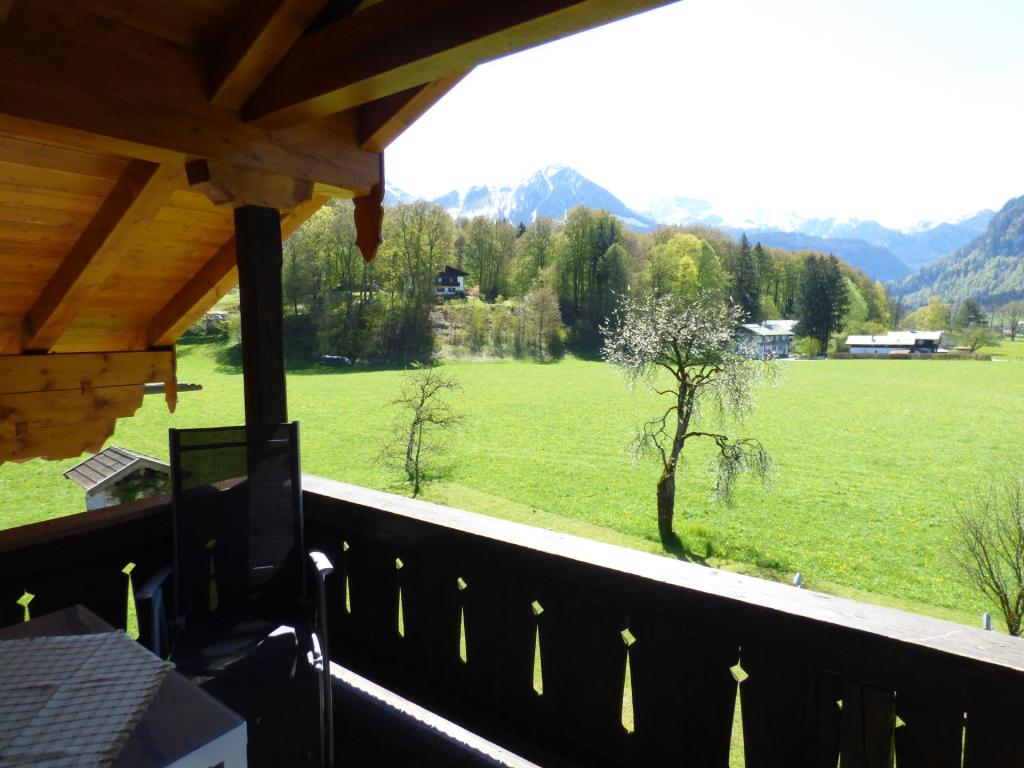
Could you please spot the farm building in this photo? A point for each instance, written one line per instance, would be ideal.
(896, 343)
(450, 283)
(115, 475)
(153, 155)
(772, 338)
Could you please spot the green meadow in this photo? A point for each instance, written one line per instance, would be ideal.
(869, 458)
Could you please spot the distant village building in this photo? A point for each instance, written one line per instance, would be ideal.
(450, 283)
(896, 343)
(115, 475)
(772, 338)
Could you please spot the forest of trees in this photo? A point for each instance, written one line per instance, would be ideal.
(538, 288)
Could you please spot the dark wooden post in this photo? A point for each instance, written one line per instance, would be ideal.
(258, 245)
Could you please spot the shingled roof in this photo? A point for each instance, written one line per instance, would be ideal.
(108, 465)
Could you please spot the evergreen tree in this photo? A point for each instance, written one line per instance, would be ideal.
(748, 282)
(823, 299)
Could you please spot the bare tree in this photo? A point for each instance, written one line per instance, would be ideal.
(416, 443)
(1014, 314)
(990, 547)
(686, 351)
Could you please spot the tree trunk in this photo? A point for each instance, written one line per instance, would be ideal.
(666, 504)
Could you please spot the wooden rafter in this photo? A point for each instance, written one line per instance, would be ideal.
(345, 64)
(139, 193)
(215, 279)
(382, 121)
(254, 47)
(67, 76)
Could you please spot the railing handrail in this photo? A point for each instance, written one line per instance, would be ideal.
(44, 531)
(767, 607)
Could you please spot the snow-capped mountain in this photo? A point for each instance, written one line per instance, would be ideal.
(552, 192)
(883, 253)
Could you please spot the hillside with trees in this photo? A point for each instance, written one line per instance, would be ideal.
(536, 290)
(990, 268)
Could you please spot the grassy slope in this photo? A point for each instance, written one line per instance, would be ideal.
(869, 455)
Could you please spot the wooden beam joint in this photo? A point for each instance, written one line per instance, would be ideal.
(226, 184)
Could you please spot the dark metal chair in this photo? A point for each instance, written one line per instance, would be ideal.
(245, 624)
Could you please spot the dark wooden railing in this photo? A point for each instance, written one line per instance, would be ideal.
(453, 609)
(84, 558)
(526, 636)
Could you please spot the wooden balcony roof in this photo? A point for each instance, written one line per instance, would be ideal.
(108, 110)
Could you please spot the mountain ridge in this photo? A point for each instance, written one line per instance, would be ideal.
(989, 268)
(883, 253)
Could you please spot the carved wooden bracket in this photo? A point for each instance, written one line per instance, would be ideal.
(226, 184)
(369, 214)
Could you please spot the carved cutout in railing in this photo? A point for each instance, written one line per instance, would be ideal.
(538, 664)
(463, 655)
(23, 601)
(626, 717)
(400, 617)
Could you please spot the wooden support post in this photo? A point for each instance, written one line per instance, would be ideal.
(258, 244)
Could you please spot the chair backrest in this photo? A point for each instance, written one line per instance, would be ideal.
(237, 506)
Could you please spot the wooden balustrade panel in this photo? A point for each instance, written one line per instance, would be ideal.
(373, 596)
(866, 728)
(584, 659)
(517, 624)
(931, 735)
(332, 544)
(790, 710)
(994, 738)
(482, 602)
(80, 559)
(684, 694)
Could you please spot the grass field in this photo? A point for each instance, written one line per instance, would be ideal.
(869, 456)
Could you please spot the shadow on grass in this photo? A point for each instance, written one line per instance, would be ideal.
(675, 546)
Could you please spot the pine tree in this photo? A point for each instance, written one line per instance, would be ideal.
(748, 282)
(823, 300)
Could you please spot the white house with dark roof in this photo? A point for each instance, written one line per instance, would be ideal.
(772, 338)
(896, 343)
(115, 473)
(450, 283)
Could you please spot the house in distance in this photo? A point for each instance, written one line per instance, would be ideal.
(450, 283)
(116, 475)
(896, 343)
(772, 338)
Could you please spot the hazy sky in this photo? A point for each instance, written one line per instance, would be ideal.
(897, 110)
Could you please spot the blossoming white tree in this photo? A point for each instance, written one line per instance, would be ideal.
(686, 351)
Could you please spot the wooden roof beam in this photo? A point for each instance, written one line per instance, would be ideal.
(395, 45)
(215, 279)
(254, 47)
(139, 193)
(57, 86)
(384, 120)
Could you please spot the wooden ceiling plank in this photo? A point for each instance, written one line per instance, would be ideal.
(254, 48)
(212, 282)
(382, 121)
(39, 373)
(395, 45)
(70, 77)
(6, 6)
(137, 196)
(13, 195)
(42, 155)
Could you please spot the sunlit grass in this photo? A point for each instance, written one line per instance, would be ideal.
(869, 457)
